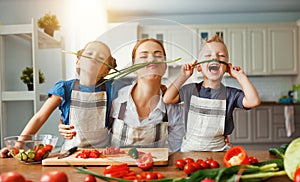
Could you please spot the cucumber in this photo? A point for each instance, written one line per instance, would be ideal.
(31, 154)
(24, 156)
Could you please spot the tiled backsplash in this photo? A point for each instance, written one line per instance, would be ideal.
(270, 88)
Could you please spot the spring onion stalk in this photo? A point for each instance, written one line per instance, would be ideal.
(125, 71)
(128, 70)
(212, 60)
(80, 55)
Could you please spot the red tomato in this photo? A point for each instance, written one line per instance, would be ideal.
(12, 177)
(145, 162)
(90, 178)
(239, 153)
(214, 164)
(297, 175)
(159, 175)
(196, 165)
(189, 168)
(207, 180)
(180, 164)
(252, 160)
(189, 160)
(54, 176)
(151, 176)
(203, 164)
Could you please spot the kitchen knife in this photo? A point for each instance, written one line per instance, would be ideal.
(68, 153)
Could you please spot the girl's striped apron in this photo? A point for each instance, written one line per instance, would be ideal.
(88, 114)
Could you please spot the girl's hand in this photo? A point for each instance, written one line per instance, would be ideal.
(66, 131)
(235, 71)
(188, 69)
(4, 153)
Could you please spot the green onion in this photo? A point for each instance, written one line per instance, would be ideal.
(212, 60)
(125, 71)
(80, 55)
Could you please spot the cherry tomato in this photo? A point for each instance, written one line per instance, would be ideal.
(207, 180)
(12, 177)
(252, 160)
(189, 160)
(151, 176)
(202, 164)
(90, 178)
(214, 164)
(180, 164)
(159, 175)
(297, 175)
(54, 176)
(196, 165)
(145, 162)
(189, 168)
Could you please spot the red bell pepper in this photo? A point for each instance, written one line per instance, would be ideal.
(236, 155)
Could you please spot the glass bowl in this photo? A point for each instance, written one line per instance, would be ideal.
(31, 148)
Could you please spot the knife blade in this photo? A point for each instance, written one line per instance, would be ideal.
(68, 152)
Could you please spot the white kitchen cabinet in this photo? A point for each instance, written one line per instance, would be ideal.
(283, 52)
(179, 41)
(26, 37)
(257, 48)
(237, 46)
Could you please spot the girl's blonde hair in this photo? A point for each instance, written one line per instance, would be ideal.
(111, 61)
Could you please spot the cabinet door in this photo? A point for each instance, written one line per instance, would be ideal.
(283, 50)
(257, 49)
(237, 48)
(182, 44)
(262, 124)
(242, 127)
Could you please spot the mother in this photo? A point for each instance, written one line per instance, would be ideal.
(139, 117)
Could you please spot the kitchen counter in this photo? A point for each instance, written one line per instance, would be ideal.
(277, 103)
(34, 172)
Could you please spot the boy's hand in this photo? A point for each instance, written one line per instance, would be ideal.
(188, 69)
(235, 71)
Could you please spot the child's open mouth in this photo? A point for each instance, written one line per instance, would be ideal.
(214, 68)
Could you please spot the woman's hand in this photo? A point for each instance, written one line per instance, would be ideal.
(66, 131)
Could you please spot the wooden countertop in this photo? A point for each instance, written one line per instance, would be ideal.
(34, 172)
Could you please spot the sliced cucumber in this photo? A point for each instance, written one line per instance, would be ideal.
(24, 156)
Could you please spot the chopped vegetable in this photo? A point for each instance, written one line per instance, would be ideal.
(292, 158)
(133, 152)
(235, 156)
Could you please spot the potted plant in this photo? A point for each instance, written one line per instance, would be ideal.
(27, 77)
(49, 23)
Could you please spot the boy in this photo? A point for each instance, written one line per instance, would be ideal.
(208, 105)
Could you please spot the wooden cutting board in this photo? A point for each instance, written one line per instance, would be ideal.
(160, 157)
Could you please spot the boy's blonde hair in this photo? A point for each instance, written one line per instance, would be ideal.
(214, 38)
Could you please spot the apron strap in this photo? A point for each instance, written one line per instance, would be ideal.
(76, 85)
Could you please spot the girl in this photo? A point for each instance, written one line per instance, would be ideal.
(139, 116)
(82, 102)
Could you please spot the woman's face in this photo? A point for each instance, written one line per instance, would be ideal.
(150, 52)
(213, 51)
(97, 53)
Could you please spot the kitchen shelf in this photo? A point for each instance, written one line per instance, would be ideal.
(38, 40)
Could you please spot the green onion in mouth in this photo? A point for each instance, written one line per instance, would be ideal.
(212, 60)
(125, 71)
